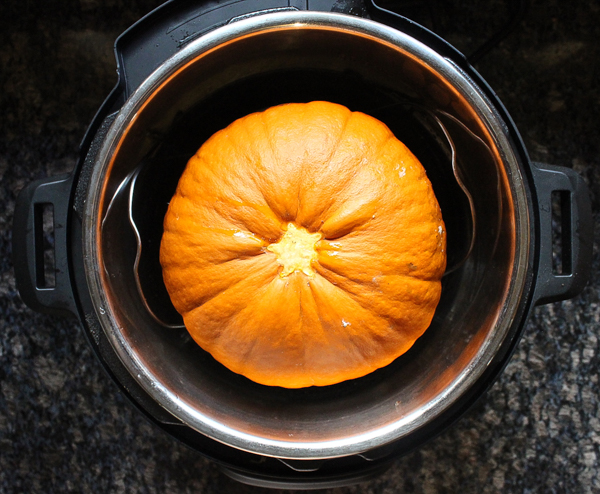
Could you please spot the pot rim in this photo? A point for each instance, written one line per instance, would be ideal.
(379, 33)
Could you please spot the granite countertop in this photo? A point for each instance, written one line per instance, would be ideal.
(64, 426)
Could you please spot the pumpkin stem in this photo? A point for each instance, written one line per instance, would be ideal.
(296, 250)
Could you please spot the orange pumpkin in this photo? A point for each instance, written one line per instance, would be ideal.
(304, 246)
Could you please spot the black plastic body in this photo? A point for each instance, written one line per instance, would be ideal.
(139, 51)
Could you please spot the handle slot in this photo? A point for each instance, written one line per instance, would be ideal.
(562, 253)
(45, 255)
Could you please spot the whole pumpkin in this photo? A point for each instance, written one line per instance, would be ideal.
(304, 246)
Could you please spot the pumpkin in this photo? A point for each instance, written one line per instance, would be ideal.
(304, 246)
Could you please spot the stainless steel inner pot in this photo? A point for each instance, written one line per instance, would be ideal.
(281, 57)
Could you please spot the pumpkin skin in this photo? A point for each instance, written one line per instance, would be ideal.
(304, 246)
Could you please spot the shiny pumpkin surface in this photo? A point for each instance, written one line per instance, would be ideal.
(304, 246)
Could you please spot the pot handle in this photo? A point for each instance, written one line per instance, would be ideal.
(576, 233)
(43, 288)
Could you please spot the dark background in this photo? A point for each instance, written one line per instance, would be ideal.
(63, 425)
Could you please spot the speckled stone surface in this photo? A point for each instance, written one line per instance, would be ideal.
(65, 428)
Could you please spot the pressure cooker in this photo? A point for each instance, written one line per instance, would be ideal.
(189, 69)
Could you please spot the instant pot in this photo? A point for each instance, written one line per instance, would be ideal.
(190, 68)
